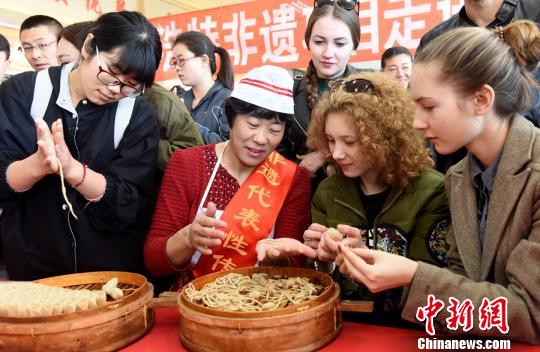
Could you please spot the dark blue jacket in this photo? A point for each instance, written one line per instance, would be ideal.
(209, 114)
(40, 238)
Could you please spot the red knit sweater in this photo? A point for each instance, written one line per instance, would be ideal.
(182, 188)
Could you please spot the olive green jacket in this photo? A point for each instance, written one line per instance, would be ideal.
(177, 129)
(413, 222)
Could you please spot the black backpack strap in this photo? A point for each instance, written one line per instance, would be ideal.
(297, 75)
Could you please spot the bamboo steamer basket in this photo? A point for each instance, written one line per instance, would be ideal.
(302, 327)
(107, 328)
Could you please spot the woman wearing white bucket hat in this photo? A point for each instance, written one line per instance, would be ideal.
(241, 202)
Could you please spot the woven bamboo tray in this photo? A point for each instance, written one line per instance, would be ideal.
(107, 328)
(303, 327)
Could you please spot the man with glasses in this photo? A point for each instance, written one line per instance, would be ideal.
(39, 35)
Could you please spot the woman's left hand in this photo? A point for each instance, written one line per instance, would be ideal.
(70, 166)
(279, 248)
(377, 270)
(312, 162)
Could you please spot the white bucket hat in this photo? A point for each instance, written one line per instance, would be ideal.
(269, 87)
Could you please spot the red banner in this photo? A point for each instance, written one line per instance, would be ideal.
(272, 31)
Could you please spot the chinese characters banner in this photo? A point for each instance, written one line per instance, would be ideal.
(272, 31)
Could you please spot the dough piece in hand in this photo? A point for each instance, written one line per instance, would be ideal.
(335, 234)
(111, 288)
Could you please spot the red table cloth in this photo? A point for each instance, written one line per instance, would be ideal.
(163, 337)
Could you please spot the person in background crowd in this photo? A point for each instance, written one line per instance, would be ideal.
(71, 40)
(533, 113)
(469, 86)
(202, 223)
(177, 129)
(4, 64)
(77, 175)
(4, 57)
(385, 186)
(178, 90)
(195, 63)
(485, 13)
(332, 36)
(39, 35)
(396, 62)
(489, 14)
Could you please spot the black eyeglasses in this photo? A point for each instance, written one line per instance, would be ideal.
(344, 4)
(355, 86)
(110, 79)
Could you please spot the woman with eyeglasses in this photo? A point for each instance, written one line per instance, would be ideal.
(384, 188)
(469, 86)
(78, 156)
(177, 129)
(332, 36)
(195, 63)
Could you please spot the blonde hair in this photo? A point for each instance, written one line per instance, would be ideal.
(473, 56)
(382, 120)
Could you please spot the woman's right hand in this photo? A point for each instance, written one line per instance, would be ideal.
(312, 162)
(377, 270)
(46, 152)
(202, 233)
(328, 248)
(312, 236)
(21, 175)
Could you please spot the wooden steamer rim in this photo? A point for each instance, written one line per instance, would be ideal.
(106, 328)
(325, 280)
(303, 327)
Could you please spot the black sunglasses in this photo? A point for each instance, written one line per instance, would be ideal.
(344, 4)
(355, 86)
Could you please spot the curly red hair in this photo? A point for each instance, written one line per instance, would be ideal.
(382, 118)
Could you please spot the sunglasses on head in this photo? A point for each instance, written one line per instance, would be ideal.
(355, 86)
(344, 4)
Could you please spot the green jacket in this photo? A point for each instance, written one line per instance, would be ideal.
(177, 129)
(413, 222)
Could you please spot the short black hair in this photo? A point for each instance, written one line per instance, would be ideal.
(4, 46)
(42, 20)
(136, 38)
(394, 51)
(234, 106)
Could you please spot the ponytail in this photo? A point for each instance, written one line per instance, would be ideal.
(225, 74)
(524, 41)
(523, 38)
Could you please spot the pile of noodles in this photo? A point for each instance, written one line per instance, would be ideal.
(241, 293)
